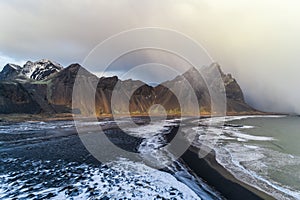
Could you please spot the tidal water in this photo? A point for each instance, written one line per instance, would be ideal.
(278, 160)
(262, 151)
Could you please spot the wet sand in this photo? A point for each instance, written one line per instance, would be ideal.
(216, 175)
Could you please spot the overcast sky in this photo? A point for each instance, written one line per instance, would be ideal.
(257, 41)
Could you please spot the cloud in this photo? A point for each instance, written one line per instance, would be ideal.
(257, 41)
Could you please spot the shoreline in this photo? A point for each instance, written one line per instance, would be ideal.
(216, 176)
(22, 117)
(219, 178)
(206, 168)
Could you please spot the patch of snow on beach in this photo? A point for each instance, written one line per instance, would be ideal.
(59, 180)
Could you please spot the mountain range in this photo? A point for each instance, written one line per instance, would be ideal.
(46, 87)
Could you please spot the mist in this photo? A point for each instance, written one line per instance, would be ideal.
(256, 41)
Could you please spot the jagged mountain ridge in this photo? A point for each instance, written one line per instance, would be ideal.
(50, 91)
(38, 70)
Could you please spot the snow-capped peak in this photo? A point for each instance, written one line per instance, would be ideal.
(41, 69)
(38, 70)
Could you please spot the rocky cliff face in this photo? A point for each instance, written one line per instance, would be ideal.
(10, 72)
(235, 102)
(48, 88)
(15, 98)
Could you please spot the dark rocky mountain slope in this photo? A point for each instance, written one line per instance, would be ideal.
(46, 87)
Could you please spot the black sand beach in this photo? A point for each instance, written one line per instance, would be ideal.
(217, 176)
(65, 144)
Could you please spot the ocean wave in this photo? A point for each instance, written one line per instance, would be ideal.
(251, 165)
(241, 154)
(34, 126)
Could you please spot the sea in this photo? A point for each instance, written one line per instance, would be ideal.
(266, 153)
(37, 159)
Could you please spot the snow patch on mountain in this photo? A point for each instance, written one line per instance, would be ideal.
(41, 69)
(38, 70)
